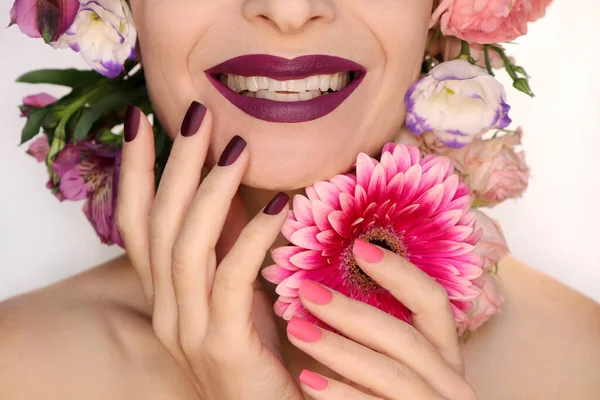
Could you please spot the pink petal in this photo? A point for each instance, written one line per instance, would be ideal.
(303, 210)
(377, 183)
(290, 227)
(310, 259)
(412, 179)
(307, 238)
(72, 185)
(430, 178)
(311, 193)
(295, 309)
(329, 238)
(345, 183)
(450, 187)
(328, 193)
(284, 290)
(429, 203)
(275, 274)
(402, 157)
(348, 204)
(39, 148)
(389, 165)
(438, 226)
(340, 223)
(321, 211)
(281, 256)
(279, 308)
(364, 169)
(360, 199)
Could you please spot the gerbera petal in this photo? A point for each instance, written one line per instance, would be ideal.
(377, 183)
(284, 290)
(328, 193)
(329, 238)
(303, 210)
(321, 211)
(402, 158)
(364, 169)
(281, 256)
(275, 274)
(429, 202)
(412, 179)
(348, 204)
(437, 226)
(307, 238)
(311, 193)
(279, 307)
(310, 259)
(433, 176)
(389, 165)
(345, 183)
(340, 223)
(290, 226)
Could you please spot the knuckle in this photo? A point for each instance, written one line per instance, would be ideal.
(466, 392)
(439, 296)
(398, 373)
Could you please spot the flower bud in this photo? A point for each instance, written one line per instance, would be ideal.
(47, 19)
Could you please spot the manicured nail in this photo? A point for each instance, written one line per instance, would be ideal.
(232, 151)
(315, 293)
(313, 380)
(132, 122)
(367, 251)
(303, 330)
(277, 204)
(193, 119)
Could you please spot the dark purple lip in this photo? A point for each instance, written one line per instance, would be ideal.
(285, 69)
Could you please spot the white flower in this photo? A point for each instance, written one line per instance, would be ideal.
(104, 33)
(456, 101)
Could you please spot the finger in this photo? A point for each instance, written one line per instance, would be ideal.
(233, 286)
(178, 185)
(425, 298)
(386, 334)
(322, 388)
(136, 193)
(380, 374)
(194, 256)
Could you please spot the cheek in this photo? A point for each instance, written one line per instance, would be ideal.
(168, 30)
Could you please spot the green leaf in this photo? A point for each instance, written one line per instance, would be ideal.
(64, 77)
(114, 100)
(33, 124)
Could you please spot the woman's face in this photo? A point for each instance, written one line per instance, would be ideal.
(296, 135)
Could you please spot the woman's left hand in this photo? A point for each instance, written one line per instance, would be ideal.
(382, 356)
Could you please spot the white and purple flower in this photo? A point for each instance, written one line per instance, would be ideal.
(457, 101)
(104, 33)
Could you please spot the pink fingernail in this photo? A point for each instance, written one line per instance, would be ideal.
(367, 251)
(303, 330)
(314, 292)
(313, 380)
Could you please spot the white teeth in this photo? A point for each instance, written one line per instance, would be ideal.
(325, 82)
(291, 90)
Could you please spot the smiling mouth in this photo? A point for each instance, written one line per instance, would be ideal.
(276, 89)
(262, 87)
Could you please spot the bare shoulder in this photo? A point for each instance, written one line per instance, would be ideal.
(546, 343)
(81, 338)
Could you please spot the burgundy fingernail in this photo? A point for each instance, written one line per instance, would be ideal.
(232, 151)
(276, 204)
(132, 122)
(193, 119)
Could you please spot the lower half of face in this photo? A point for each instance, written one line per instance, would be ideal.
(308, 83)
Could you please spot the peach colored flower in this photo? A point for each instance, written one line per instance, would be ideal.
(487, 305)
(494, 169)
(492, 245)
(487, 21)
(539, 9)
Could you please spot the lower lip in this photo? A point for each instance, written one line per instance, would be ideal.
(287, 112)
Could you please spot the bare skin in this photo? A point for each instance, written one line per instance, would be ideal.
(91, 336)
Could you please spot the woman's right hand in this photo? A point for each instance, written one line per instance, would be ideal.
(204, 312)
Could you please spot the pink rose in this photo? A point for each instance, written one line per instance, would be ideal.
(539, 9)
(487, 305)
(44, 18)
(494, 169)
(492, 245)
(487, 21)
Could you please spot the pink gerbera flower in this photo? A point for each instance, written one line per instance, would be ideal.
(416, 207)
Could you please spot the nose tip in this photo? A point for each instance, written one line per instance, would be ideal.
(289, 16)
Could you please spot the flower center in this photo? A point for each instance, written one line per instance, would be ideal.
(354, 275)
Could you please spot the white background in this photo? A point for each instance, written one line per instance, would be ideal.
(555, 227)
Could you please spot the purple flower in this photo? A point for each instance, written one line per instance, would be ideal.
(89, 171)
(457, 101)
(39, 148)
(44, 18)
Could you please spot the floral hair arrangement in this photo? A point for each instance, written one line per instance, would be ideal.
(421, 198)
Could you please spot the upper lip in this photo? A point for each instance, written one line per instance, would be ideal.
(280, 68)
